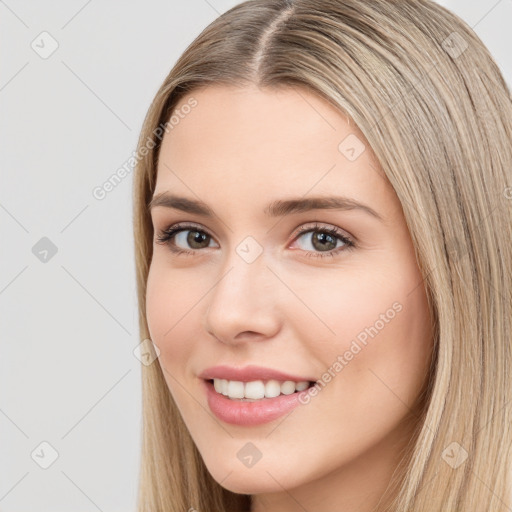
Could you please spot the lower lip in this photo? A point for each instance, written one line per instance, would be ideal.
(238, 412)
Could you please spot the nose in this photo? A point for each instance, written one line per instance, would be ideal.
(243, 304)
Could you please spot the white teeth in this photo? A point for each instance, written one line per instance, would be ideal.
(235, 389)
(288, 387)
(301, 386)
(254, 390)
(272, 389)
(257, 389)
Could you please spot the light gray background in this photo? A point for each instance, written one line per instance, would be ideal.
(68, 375)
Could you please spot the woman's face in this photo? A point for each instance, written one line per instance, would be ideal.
(341, 303)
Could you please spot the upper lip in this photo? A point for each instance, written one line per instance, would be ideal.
(249, 373)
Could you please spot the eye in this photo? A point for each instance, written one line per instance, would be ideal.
(323, 239)
(195, 238)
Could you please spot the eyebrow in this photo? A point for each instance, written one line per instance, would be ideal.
(277, 208)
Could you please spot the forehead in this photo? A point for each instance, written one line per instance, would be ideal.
(254, 144)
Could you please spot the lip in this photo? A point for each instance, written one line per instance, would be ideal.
(250, 373)
(238, 412)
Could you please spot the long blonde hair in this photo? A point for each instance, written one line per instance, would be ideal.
(436, 111)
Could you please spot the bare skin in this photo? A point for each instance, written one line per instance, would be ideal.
(290, 309)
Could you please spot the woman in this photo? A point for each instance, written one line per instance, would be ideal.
(322, 225)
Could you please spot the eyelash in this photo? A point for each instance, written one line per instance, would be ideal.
(164, 237)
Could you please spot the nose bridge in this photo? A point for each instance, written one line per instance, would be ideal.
(244, 274)
(241, 298)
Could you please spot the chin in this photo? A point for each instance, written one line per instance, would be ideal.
(253, 480)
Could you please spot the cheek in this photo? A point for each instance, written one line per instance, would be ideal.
(170, 303)
(396, 342)
(401, 357)
(173, 327)
(345, 307)
(376, 337)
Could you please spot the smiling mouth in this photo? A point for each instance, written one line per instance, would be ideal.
(257, 390)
